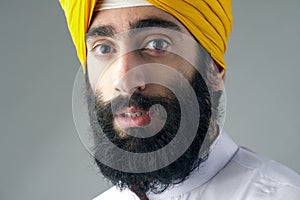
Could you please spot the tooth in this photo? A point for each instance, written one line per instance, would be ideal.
(137, 114)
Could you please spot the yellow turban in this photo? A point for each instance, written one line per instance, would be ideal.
(209, 21)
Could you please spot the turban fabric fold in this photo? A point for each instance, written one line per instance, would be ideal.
(78, 15)
(210, 22)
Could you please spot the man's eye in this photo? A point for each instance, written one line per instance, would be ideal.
(157, 44)
(103, 49)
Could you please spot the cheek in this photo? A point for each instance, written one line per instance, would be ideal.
(183, 67)
(105, 86)
(101, 80)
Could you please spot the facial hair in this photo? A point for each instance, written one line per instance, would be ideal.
(102, 118)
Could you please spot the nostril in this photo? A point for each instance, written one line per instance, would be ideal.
(128, 90)
(117, 89)
(141, 87)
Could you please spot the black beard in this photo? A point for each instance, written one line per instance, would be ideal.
(155, 181)
(129, 142)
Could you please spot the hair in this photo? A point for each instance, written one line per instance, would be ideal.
(178, 171)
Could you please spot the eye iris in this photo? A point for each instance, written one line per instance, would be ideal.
(105, 49)
(159, 44)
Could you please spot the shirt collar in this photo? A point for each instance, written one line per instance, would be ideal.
(221, 152)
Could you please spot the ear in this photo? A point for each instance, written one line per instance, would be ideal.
(222, 72)
(215, 76)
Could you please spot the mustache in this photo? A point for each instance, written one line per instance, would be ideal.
(136, 100)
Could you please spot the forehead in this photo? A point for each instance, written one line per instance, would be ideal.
(121, 19)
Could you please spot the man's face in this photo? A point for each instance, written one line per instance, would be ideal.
(133, 61)
(110, 58)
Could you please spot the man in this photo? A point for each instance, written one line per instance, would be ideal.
(154, 75)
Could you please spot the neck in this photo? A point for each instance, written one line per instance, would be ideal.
(142, 196)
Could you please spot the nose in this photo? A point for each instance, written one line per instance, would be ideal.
(128, 76)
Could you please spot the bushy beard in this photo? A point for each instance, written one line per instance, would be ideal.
(102, 118)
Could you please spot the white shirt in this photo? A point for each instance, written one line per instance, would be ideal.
(229, 173)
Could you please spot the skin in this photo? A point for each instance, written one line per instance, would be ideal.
(112, 81)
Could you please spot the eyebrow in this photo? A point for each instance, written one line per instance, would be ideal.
(109, 31)
(104, 30)
(154, 22)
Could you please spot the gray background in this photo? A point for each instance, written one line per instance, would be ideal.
(41, 156)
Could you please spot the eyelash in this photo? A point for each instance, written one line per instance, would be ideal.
(162, 47)
(99, 47)
(148, 48)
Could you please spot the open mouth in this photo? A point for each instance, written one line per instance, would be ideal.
(136, 114)
(132, 117)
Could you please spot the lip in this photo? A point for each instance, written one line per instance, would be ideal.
(132, 117)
